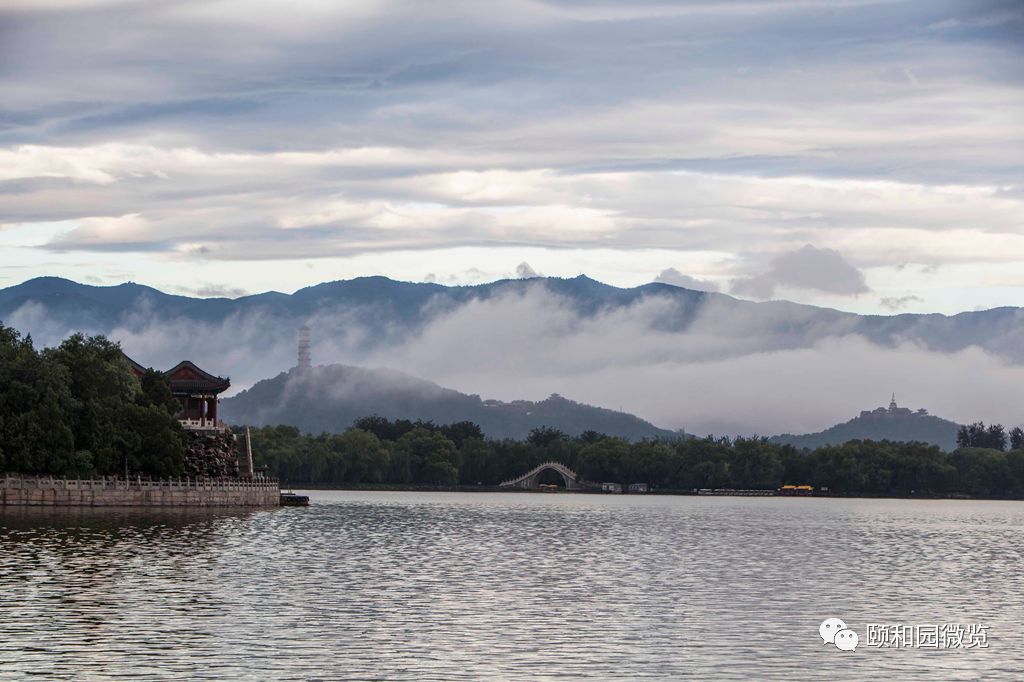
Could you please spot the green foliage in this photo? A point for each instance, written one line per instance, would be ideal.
(426, 454)
(1016, 438)
(35, 406)
(77, 410)
(978, 436)
(156, 391)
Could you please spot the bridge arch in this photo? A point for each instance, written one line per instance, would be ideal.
(531, 479)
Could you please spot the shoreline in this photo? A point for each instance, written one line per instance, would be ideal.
(46, 491)
(661, 492)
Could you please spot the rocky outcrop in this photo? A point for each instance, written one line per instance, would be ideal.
(210, 453)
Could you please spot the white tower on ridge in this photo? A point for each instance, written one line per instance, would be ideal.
(305, 357)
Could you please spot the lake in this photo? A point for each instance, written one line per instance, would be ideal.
(406, 585)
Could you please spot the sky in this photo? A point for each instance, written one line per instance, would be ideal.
(866, 155)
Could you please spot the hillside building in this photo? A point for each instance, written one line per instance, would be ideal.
(893, 410)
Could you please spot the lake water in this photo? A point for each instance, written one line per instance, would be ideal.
(510, 586)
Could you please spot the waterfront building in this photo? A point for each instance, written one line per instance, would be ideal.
(197, 390)
(211, 449)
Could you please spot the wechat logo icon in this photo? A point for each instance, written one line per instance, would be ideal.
(834, 631)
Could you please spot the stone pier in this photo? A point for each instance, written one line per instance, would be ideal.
(38, 491)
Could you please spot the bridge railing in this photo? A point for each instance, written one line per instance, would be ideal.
(557, 466)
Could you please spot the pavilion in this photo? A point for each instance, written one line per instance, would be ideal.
(196, 390)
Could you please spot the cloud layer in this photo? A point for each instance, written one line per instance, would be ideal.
(780, 368)
(187, 133)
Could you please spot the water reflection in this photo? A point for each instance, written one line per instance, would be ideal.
(405, 585)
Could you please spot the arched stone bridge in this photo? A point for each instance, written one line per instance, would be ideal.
(530, 480)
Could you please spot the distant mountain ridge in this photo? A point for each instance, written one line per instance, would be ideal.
(330, 398)
(390, 310)
(893, 423)
(424, 327)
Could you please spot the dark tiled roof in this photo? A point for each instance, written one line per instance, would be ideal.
(198, 386)
(136, 367)
(187, 377)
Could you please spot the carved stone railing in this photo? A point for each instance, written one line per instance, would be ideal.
(16, 481)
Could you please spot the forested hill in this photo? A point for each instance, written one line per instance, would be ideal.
(923, 428)
(330, 398)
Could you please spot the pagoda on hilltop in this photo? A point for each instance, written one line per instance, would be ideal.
(197, 390)
(893, 410)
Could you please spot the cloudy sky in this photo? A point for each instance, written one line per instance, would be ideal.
(861, 154)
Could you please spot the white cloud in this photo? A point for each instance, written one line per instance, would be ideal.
(676, 278)
(808, 268)
(248, 131)
(524, 271)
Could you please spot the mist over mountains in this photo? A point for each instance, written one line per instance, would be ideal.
(681, 359)
(882, 424)
(330, 398)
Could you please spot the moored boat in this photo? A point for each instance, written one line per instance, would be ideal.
(290, 499)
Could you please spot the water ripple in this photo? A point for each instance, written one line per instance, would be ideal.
(507, 586)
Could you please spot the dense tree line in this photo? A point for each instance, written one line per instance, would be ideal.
(380, 451)
(993, 437)
(78, 410)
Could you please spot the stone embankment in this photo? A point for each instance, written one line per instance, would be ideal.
(110, 492)
(211, 454)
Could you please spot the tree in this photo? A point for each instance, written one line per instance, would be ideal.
(101, 388)
(976, 435)
(431, 457)
(423, 455)
(367, 458)
(1017, 438)
(378, 426)
(35, 403)
(153, 442)
(545, 435)
(460, 432)
(77, 410)
(604, 461)
(156, 391)
(591, 436)
(995, 437)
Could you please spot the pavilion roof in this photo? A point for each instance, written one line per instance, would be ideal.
(186, 378)
(137, 369)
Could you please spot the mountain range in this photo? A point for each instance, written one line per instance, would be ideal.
(683, 359)
(387, 310)
(330, 398)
